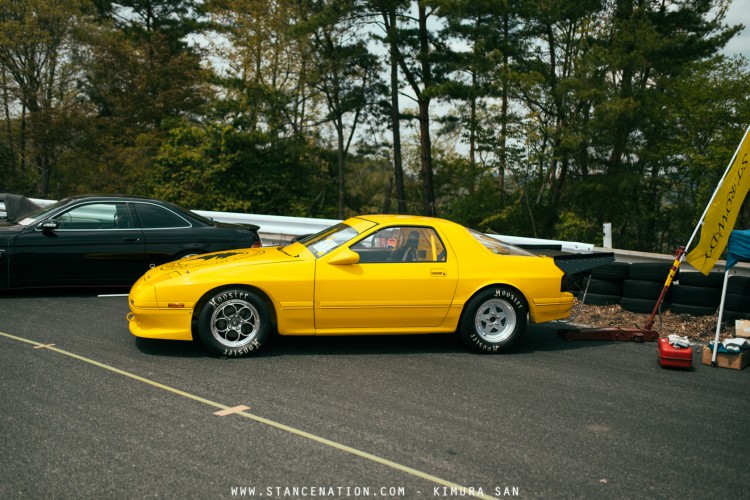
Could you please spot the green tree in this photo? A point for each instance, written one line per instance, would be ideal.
(389, 12)
(140, 74)
(38, 86)
(490, 39)
(346, 75)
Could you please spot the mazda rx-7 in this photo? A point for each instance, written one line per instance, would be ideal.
(368, 275)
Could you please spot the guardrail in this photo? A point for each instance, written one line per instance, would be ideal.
(280, 230)
(276, 229)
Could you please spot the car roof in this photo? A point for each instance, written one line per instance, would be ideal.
(387, 219)
(124, 197)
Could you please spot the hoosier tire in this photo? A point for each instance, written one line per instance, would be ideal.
(234, 322)
(494, 319)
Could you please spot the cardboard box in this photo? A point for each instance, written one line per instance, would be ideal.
(742, 328)
(725, 360)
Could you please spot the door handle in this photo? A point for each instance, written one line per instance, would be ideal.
(438, 273)
(132, 240)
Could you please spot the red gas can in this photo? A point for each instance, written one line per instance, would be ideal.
(674, 357)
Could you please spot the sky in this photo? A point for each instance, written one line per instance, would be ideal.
(739, 13)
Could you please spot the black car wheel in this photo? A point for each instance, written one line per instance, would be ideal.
(494, 319)
(234, 322)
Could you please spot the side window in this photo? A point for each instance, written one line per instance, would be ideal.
(95, 216)
(401, 244)
(154, 217)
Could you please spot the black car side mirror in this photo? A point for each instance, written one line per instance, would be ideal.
(48, 226)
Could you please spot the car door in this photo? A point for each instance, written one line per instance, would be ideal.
(168, 234)
(402, 278)
(92, 243)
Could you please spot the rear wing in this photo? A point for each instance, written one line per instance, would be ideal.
(582, 262)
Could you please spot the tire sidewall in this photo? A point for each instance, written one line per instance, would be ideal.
(216, 300)
(468, 331)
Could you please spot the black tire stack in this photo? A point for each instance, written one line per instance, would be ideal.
(644, 286)
(605, 284)
(697, 294)
(737, 300)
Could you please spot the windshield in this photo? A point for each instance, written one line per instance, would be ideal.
(37, 215)
(498, 247)
(329, 239)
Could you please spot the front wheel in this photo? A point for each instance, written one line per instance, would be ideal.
(493, 319)
(234, 322)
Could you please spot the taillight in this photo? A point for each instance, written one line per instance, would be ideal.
(257, 244)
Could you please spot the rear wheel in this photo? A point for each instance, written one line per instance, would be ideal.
(234, 322)
(493, 320)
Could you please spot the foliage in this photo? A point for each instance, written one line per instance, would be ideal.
(540, 118)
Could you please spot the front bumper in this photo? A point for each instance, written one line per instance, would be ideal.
(160, 323)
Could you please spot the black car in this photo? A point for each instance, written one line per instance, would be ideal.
(107, 241)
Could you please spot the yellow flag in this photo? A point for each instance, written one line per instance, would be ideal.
(723, 211)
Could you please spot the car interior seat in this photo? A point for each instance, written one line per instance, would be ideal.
(408, 251)
(122, 220)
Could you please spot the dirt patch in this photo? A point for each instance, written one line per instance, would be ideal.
(698, 329)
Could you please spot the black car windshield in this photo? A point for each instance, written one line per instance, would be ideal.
(329, 239)
(38, 215)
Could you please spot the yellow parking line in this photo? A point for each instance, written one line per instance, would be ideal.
(271, 423)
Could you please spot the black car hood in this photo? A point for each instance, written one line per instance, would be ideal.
(8, 229)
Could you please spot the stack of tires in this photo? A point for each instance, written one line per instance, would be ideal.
(697, 294)
(636, 288)
(644, 286)
(737, 300)
(605, 284)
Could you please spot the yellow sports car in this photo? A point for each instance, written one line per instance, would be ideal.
(369, 275)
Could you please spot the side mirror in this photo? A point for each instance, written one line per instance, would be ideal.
(48, 226)
(344, 257)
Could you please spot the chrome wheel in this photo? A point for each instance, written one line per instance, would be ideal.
(235, 323)
(495, 320)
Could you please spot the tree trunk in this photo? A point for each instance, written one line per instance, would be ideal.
(428, 190)
(398, 168)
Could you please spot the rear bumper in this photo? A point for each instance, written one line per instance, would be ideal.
(552, 309)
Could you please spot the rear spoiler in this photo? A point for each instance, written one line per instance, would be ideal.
(582, 262)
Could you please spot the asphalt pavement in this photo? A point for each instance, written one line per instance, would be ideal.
(89, 411)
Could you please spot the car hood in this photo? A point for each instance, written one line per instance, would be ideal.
(228, 258)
